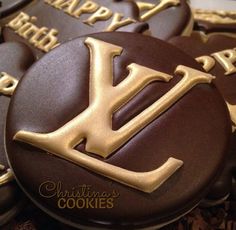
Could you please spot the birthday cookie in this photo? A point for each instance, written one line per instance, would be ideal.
(116, 134)
(15, 59)
(166, 18)
(50, 22)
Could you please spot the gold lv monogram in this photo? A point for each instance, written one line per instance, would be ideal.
(7, 177)
(7, 84)
(95, 123)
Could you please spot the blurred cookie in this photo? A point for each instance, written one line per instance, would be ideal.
(15, 59)
(212, 21)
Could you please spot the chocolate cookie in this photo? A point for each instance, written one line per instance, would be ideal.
(121, 132)
(218, 56)
(166, 18)
(8, 7)
(48, 23)
(212, 21)
(15, 59)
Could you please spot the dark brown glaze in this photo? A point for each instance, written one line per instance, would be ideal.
(195, 47)
(58, 85)
(15, 59)
(169, 22)
(70, 27)
(8, 7)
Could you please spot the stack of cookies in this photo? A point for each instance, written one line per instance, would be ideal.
(116, 114)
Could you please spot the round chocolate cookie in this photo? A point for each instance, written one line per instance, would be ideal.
(215, 21)
(15, 59)
(8, 7)
(48, 23)
(117, 134)
(166, 18)
(217, 54)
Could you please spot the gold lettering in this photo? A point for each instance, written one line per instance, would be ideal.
(207, 62)
(55, 3)
(98, 116)
(49, 41)
(144, 6)
(158, 8)
(7, 84)
(226, 58)
(28, 31)
(6, 177)
(36, 37)
(59, 203)
(18, 21)
(68, 6)
(101, 14)
(87, 7)
(117, 22)
(232, 111)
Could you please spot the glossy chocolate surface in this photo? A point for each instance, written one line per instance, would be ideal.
(59, 85)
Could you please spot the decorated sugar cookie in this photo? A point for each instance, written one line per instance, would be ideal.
(116, 133)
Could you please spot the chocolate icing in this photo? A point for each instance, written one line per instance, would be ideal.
(58, 85)
(15, 59)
